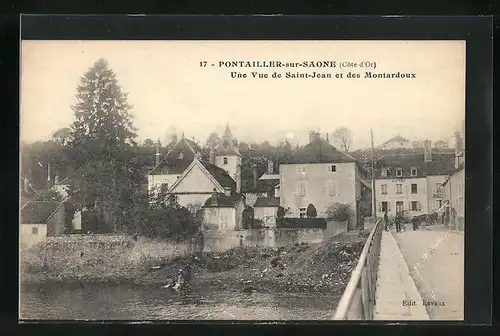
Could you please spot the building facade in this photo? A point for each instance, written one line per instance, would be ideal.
(321, 175)
(265, 210)
(412, 183)
(39, 219)
(454, 190)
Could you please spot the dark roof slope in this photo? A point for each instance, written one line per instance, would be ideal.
(223, 201)
(220, 175)
(37, 212)
(174, 162)
(267, 202)
(441, 164)
(319, 151)
(247, 185)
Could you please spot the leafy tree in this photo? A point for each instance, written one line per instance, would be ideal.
(62, 135)
(149, 143)
(342, 136)
(102, 139)
(417, 144)
(339, 212)
(311, 211)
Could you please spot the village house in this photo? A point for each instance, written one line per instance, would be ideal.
(193, 180)
(412, 182)
(321, 175)
(265, 210)
(39, 219)
(223, 211)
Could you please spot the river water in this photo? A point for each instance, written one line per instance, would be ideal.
(132, 302)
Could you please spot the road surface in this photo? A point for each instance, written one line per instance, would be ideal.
(435, 258)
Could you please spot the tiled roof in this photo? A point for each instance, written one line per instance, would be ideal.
(247, 186)
(220, 175)
(172, 163)
(223, 201)
(267, 202)
(319, 151)
(37, 212)
(441, 164)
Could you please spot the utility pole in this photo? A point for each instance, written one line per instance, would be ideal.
(374, 202)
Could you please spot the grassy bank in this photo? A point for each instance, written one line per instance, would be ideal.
(324, 267)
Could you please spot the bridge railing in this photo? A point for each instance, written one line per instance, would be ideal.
(358, 300)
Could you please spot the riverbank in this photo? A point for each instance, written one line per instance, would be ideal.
(319, 268)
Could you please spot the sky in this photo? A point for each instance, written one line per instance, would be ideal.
(170, 90)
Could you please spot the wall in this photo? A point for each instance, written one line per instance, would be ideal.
(192, 199)
(219, 240)
(457, 198)
(157, 180)
(55, 224)
(406, 197)
(232, 166)
(28, 239)
(431, 194)
(316, 177)
(266, 214)
(212, 218)
(196, 180)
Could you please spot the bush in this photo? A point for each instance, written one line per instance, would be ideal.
(339, 212)
(311, 211)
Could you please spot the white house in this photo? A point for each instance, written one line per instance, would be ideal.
(411, 182)
(265, 209)
(321, 175)
(223, 211)
(39, 219)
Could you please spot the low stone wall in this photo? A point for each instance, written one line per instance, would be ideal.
(219, 240)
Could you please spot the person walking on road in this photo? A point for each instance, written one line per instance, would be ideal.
(386, 220)
(397, 221)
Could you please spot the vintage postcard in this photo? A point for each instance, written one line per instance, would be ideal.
(242, 180)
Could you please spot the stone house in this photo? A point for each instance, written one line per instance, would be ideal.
(39, 219)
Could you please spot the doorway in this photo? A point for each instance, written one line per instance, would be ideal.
(399, 207)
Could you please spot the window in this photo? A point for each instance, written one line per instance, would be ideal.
(302, 212)
(385, 206)
(438, 190)
(383, 173)
(223, 221)
(301, 169)
(414, 172)
(224, 160)
(302, 188)
(414, 205)
(332, 188)
(438, 204)
(399, 188)
(332, 168)
(34, 230)
(414, 188)
(384, 189)
(399, 172)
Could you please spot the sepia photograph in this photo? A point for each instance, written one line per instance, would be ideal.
(242, 180)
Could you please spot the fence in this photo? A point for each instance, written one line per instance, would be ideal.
(358, 301)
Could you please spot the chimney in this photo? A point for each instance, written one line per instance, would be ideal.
(270, 167)
(227, 191)
(327, 140)
(427, 151)
(212, 156)
(254, 172)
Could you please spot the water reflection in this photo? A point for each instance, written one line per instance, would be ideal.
(129, 302)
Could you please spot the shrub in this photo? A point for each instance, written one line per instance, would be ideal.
(311, 211)
(339, 212)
